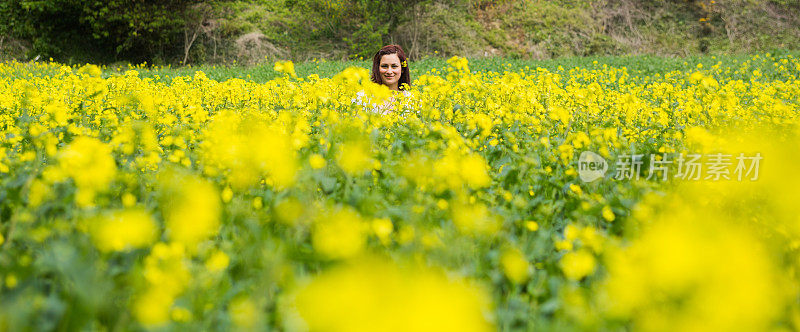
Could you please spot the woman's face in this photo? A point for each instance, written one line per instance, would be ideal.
(390, 70)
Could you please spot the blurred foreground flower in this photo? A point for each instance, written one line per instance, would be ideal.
(710, 252)
(90, 164)
(687, 274)
(248, 149)
(515, 266)
(124, 230)
(191, 208)
(339, 234)
(286, 67)
(373, 295)
(166, 276)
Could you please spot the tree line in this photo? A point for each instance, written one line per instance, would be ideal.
(219, 31)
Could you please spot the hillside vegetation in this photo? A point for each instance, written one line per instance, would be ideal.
(247, 32)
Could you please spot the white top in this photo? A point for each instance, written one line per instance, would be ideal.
(362, 100)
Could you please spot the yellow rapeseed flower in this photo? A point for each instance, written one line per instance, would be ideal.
(191, 208)
(578, 264)
(124, 230)
(374, 295)
(354, 157)
(244, 313)
(90, 164)
(515, 266)
(316, 161)
(286, 67)
(339, 234)
(217, 261)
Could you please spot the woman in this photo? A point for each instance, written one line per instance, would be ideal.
(390, 68)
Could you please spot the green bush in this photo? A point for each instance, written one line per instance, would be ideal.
(250, 31)
(100, 31)
(360, 26)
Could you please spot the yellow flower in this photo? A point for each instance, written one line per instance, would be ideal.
(571, 232)
(244, 313)
(339, 234)
(250, 148)
(124, 230)
(576, 189)
(374, 295)
(459, 63)
(515, 266)
(473, 170)
(316, 161)
(608, 214)
(563, 245)
(152, 309)
(128, 200)
(165, 269)
(227, 194)
(191, 208)
(475, 219)
(89, 163)
(58, 113)
(166, 276)
(709, 274)
(286, 67)
(37, 193)
(218, 261)
(288, 211)
(91, 70)
(258, 203)
(578, 264)
(382, 227)
(11, 281)
(354, 158)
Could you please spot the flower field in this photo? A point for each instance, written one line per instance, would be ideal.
(132, 202)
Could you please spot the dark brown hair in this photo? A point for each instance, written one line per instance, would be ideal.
(405, 73)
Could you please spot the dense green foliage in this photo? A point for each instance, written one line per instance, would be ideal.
(248, 31)
(99, 30)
